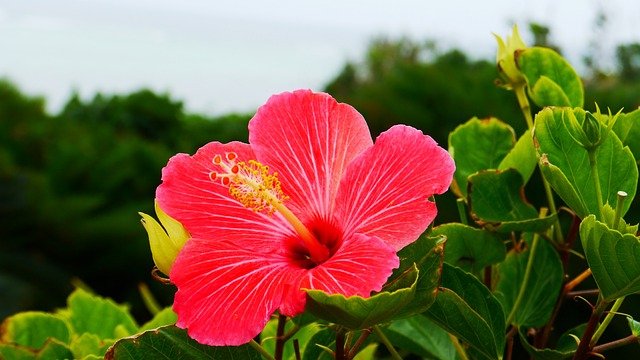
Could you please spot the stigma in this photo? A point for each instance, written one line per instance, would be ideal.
(250, 183)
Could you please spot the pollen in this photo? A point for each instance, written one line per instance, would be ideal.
(251, 183)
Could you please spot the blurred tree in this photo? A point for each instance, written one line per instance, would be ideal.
(541, 34)
(82, 176)
(593, 58)
(628, 57)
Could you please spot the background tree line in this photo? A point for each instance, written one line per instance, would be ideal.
(71, 184)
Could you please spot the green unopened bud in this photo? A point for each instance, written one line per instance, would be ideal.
(506, 59)
(591, 128)
(165, 242)
(573, 126)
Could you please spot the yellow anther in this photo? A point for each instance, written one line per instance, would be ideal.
(251, 184)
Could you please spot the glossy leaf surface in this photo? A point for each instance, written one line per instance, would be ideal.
(468, 310)
(614, 258)
(541, 290)
(497, 201)
(478, 145)
(170, 342)
(469, 248)
(550, 78)
(422, 337)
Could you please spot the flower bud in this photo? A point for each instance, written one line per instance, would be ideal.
(165, 242)
(591, 128)
(506, 59)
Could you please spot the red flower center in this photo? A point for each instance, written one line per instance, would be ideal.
(328, 236)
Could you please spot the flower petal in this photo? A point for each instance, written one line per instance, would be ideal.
(226, 294)
(309, 139)
(204, 206)
(361, 265)
(386, 190)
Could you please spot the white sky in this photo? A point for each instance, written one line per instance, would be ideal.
(232, 55)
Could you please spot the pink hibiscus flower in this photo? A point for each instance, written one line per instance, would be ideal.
(310, 203)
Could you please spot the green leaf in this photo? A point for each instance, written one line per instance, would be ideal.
(628, 130)
(566, 345)
(16, 352)
(33, 329)
(313, 349)
(634, 326)
(165, 317)
(89, 344)
(478, 145)
(97, 315)
(541, 290)
(609, 215)
(427, 253)
(470, 248)
(614, 258)
(566, 165)
(52, 349)
(422, 337)
(468, 310)
(170, 342)
(550, 78)
(368, 353)
(356, 312)
(522, 157)
(496, 199)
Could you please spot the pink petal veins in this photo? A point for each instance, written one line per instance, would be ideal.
(226, 294)
(386, 190)
(204, 206)
(309, 139)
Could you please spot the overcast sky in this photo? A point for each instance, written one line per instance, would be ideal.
(222, 56)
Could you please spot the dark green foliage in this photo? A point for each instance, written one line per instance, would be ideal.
(71, 186)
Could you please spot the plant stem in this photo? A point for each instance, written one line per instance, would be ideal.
(524, 104)
(354, 349)
(462, 211)
(340, 335)
(577, 280)
(526, 111)
(622, 196)
(148, 299)
(541, 341)
(487, 276)
(387, 343)
(614, 344)
(279, 352)
(525, 280)
(596, 336)
(581, 293)
(296, 349)
(584, 347)
(459, 348)
(509, 348)
(572, 235)
(596, 180)
(261, 350)
(557, 230)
